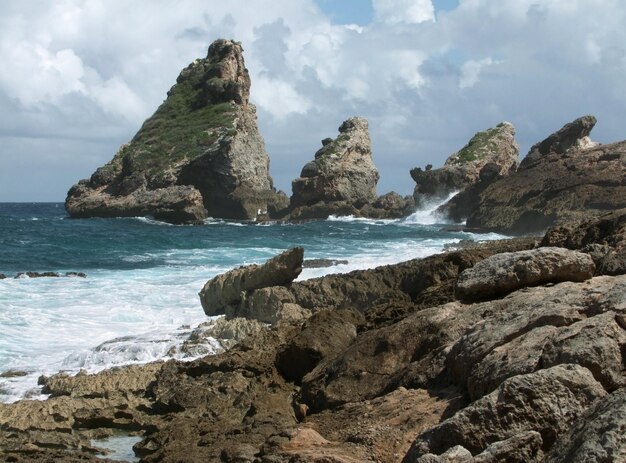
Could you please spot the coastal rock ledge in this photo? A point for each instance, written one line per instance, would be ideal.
(199, 155)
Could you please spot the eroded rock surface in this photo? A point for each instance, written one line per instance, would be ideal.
(566, 178)
(342, 179)
(389, 366)
(504, 273)
(200, 155)
(495, 147)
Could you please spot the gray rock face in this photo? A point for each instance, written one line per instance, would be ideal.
(521, 333)
(504, 273)
(548, 402)
(600, 435)
(199, 155)
(230, 293)
(342, 172)
(563, 180)
(571, 136)
(603, 238)
(495, 146)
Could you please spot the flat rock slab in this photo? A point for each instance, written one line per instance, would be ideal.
(504, 273)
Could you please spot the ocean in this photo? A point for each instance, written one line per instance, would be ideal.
(139, 299)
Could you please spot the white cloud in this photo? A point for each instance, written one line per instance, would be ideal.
(92, 70)
(279, 98)
(403, 11)
(470, 71)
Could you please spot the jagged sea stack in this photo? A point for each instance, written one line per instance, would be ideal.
(495, 147)
(564, 178)
(341, 179)
(199, 155)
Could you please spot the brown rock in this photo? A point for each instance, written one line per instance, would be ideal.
(495, 146)
(562, 180)
(548, 402)
(504, 273)
(199, 155)
(343, 172)
(600, 435)
(227, 293)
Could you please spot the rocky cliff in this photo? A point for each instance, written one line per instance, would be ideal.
(565, 177)
(494, 148)
(199, 155)
(342, 179)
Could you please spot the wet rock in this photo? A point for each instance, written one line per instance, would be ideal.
(504, 273)
(548, 402)
(225, 332)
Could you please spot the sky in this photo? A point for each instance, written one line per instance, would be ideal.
(78, 77)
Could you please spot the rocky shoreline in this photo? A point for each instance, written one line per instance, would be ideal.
(511, 350)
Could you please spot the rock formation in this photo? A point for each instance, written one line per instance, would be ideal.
(251, 291)
(342, 179)
(389, 367)
(564, 178)
(199, 155)
(495, 147)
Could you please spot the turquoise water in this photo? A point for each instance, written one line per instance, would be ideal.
(140, 295)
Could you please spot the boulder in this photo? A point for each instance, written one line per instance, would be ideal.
(230, 292)
(600, 435)
(495, 146)
(504, 273)
(199, 155)
(581, 323)
(548, 402)
(565, 179)
(410, 352)
(603, 238)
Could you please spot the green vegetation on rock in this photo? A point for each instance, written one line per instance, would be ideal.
(479, 146)
(182, 128)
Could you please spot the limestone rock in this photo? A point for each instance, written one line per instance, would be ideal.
(574, 135)
(600, 435)
(563, 181)
(228, 293)
(521, 333)
(342, 172)
(200, 154)
(604, 238)
(495, 146)
(504, 273)
(548, 402)
(412, 350)
(325, 334)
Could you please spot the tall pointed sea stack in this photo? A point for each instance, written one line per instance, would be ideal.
(199, 155)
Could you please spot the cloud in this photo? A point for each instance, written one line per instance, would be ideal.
(470, 71)
(403, 11)
(79, 77)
